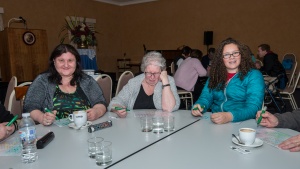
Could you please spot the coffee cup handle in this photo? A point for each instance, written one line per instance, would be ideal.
(71, 117)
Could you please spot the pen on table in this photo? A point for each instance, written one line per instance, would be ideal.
(12, 120)
(49, 111)
(196, 108)
(121, 108)
(260, 117)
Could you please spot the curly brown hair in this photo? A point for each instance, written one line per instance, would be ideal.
(218, 71)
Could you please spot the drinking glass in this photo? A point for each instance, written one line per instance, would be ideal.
(104, 153)
(92, 145)
(146, 124)
(158, 124)
(169, 123)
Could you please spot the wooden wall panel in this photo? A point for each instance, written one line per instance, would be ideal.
(22, 60)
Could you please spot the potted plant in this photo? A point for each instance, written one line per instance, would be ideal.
(81, 33)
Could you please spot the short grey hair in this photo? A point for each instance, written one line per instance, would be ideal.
(153, 58)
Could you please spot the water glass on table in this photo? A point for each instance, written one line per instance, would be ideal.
(146, 124)
(169, 121)
(158, 124)
(104, 153)
(93, 143)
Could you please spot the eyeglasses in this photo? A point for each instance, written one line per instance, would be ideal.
(62, 61)
(234, 54)
(149, 74)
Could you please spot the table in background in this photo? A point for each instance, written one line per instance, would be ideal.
(88, 58)
(69, 147)
(135, 64)
(206, 145)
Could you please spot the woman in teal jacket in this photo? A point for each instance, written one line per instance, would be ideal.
(235, 89)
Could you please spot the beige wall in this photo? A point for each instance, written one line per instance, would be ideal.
(167, 24)
(50, 14)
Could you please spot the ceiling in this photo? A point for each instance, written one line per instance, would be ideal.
(124, 2)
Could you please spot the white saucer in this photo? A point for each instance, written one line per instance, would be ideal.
(72, 125)
(258, 142)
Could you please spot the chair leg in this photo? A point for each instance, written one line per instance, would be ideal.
(186, 103)
(274, 101)
(294, 102)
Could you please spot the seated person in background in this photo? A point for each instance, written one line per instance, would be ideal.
(207, 58)
(189, 76)
(64, 88)
(252, 55)
(186, 51)
(235, 89)
(289, 120)
(196, 53)
(258, 63)
(5, 117)
(271, 65)
(153, 89)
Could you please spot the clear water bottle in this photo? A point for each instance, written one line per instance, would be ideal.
(28, 138)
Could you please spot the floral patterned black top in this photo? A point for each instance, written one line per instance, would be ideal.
(66, 103)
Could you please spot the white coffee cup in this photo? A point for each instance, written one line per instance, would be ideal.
(79, 118)
(247, 135)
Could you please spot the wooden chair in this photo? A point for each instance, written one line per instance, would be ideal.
(123, 80)
(16, 103)
(11, 85)
(105, 83)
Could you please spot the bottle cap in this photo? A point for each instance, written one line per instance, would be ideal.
(26, 115)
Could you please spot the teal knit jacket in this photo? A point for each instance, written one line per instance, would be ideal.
(242, 98)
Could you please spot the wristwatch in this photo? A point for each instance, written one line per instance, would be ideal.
(165, 85)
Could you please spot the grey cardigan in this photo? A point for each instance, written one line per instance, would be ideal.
(289, 120)
(127, 96)
(41, 92)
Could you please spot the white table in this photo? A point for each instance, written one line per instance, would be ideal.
(69, 147)
(206, 145)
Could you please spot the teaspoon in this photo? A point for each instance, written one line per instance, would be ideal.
(237, 139)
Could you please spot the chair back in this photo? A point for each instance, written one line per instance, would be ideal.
(296, 82)
(123, 80)
(172, 68)
(291, 57)
(185, 95)
(105, 83)
(16, 106)
(11, 85)
(292, 74)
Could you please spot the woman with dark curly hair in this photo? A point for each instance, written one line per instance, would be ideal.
(235, 89)
(63, 89)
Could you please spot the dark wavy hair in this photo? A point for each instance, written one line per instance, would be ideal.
(218, 72)
(186, 50)
(55, 77)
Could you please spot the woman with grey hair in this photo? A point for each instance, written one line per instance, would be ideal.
(153, 89)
